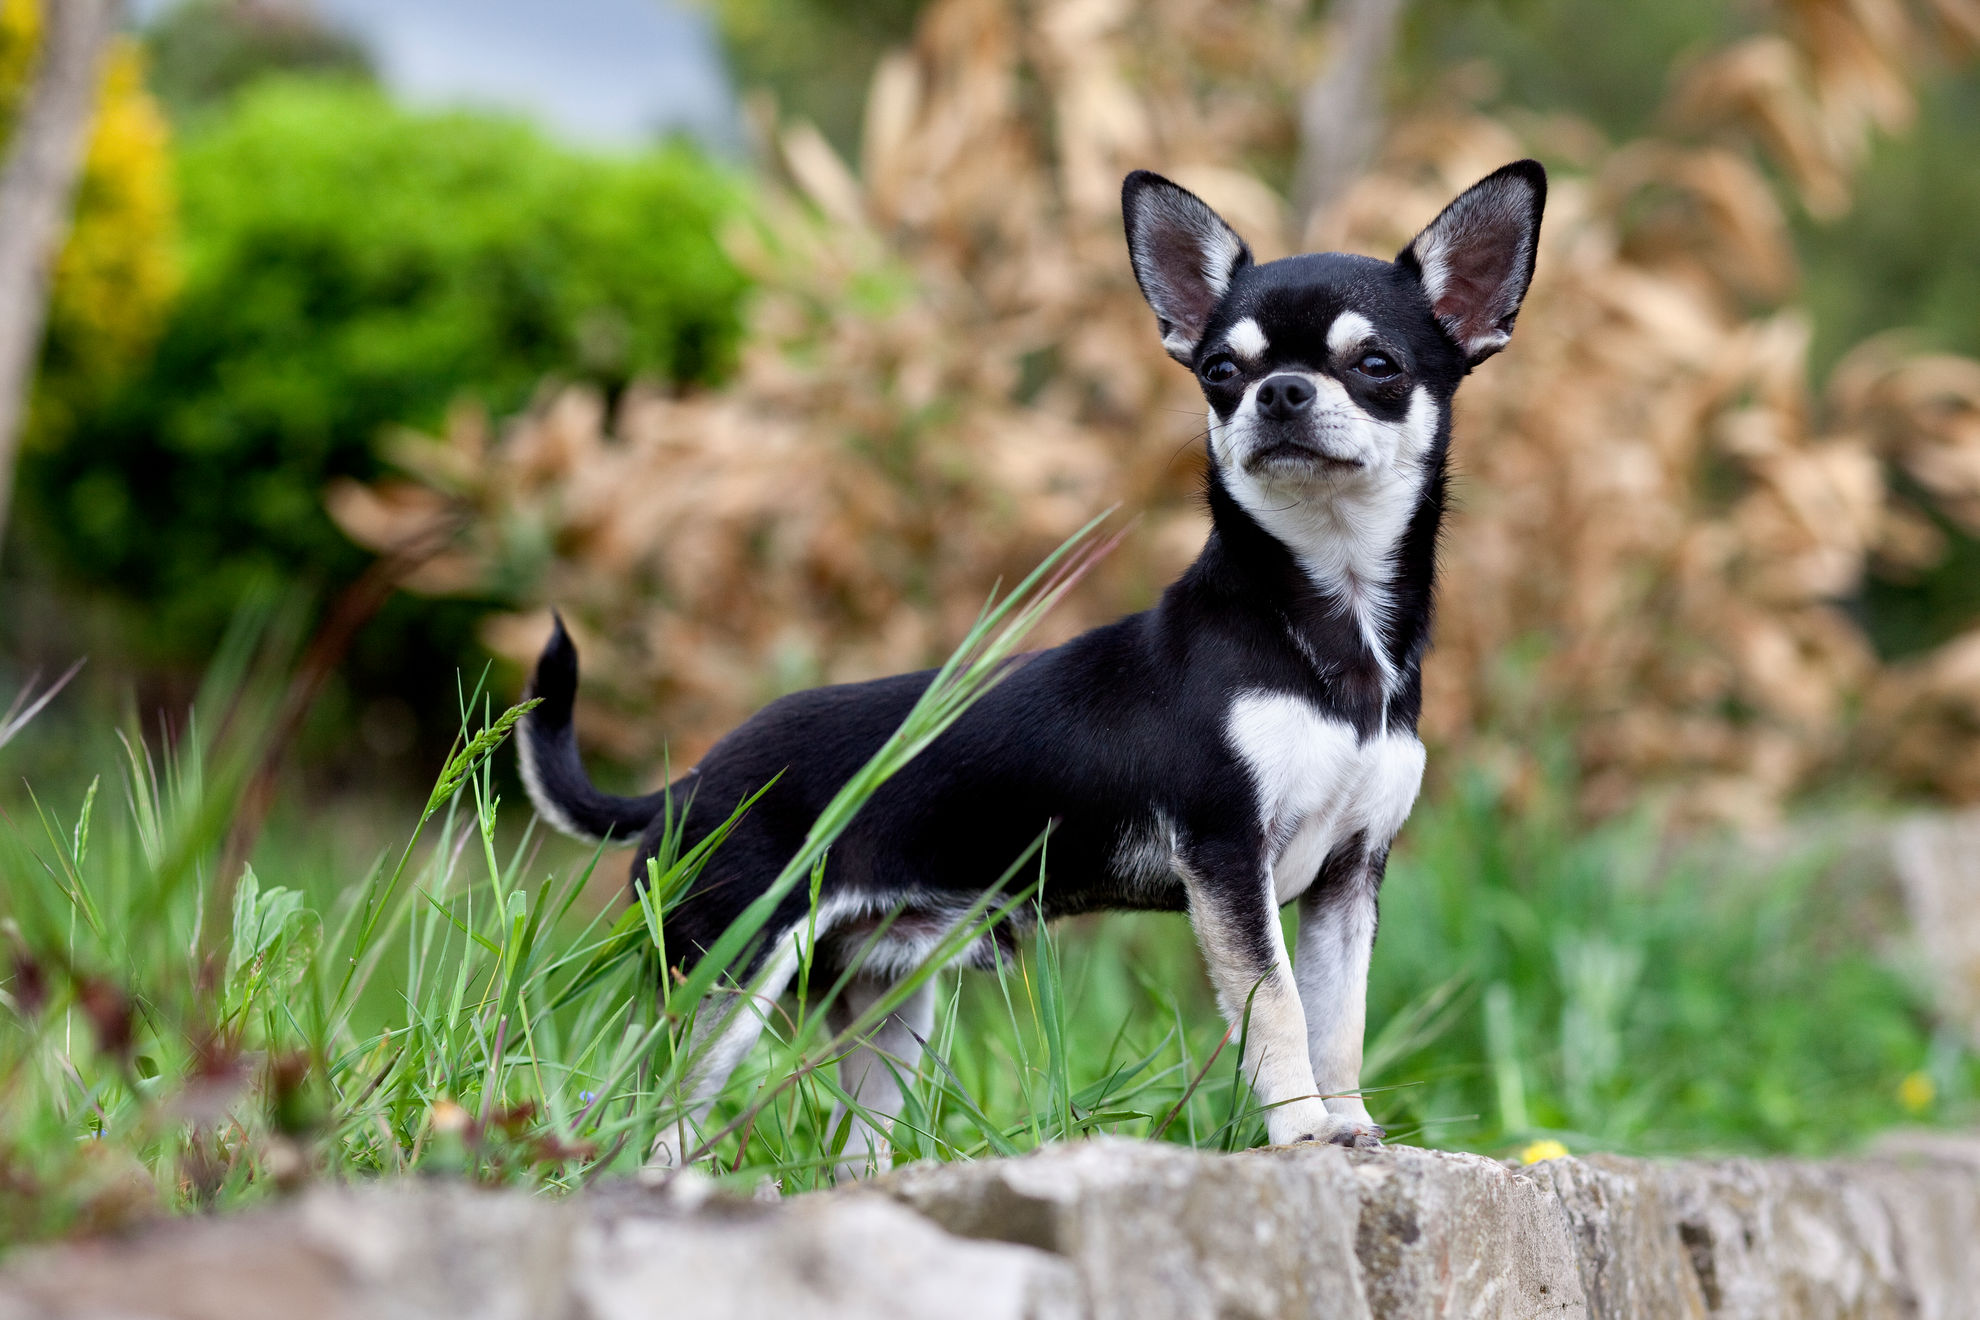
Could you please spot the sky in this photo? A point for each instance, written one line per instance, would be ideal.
(606, 73)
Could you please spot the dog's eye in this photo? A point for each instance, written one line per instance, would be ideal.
(1219, 369)
(1377, 366)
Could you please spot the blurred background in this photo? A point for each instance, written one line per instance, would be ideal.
(763, 337)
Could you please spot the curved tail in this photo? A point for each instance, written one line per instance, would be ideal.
(551, 768)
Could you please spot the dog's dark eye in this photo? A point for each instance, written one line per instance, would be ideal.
(1219, 369)
(1377, 366)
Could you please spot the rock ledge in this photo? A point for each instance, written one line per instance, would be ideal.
(1104, 1229)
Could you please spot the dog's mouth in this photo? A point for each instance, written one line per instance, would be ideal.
(1286, 452)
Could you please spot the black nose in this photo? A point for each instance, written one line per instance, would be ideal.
(1285, 397)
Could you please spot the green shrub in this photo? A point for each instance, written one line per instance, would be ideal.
(351, 265)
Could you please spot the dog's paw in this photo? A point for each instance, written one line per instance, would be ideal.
(1360, 1136)
(1350, 1130)
(1302, 1120)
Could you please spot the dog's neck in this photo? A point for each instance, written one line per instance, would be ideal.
(1357, 614)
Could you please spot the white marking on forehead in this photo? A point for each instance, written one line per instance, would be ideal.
(1349, 330)
(1246, 340)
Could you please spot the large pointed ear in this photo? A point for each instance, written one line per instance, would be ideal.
(1184, 256)
(1476, 259)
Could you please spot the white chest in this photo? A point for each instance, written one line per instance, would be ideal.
(1317, 785)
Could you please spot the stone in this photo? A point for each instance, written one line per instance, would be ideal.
(1632, 1255)
(393, 1252)
(1106, 1229)
(1930, 1183)
(1443, 1234)
(1157, 1231)
(1937, 859)
(829, 1258)
(1771, 1238)
(1411, 1233)
(420, 1250)
(1286, 1232)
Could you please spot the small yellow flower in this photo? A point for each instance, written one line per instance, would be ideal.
(1545, 1149)
(1916, 1093)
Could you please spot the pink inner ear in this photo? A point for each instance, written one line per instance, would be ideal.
(1190, 299)
(1476, 281)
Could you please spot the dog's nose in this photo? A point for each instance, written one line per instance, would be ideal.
(1285, 397)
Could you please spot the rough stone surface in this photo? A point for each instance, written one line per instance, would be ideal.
(1631, 1253)
(1162, 1231)
(1439, 1234)
(1937, 859)
(412, 1251)
(422, 1250)
(842, 1256)
(1103, 1229)
(1931, 1184)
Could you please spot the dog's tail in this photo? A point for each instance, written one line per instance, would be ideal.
(551, 768)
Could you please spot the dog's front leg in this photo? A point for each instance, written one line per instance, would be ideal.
(1336, 938)
(1237, 923)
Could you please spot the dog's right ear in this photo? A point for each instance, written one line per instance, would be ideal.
(1184, 256)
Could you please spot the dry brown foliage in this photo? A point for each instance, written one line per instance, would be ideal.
(949, 369)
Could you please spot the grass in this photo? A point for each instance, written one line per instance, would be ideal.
(171, 1041)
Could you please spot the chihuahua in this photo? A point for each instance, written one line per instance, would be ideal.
(1248, 743)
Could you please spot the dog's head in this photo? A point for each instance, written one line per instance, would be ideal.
(1329, 374)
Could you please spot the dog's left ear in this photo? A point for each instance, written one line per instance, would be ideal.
(1476, 259)
(1184, 257)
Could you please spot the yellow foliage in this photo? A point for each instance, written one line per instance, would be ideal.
(20, 29)
(118, 272)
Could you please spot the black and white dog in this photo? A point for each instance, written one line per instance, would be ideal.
(1249, 742)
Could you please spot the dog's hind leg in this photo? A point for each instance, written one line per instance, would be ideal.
(726, 1025)
(870, 1071)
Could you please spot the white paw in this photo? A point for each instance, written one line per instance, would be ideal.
(1355, 1130)
(1302, 1120)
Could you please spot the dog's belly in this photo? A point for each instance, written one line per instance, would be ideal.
(892, 936)
(1318, 785)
